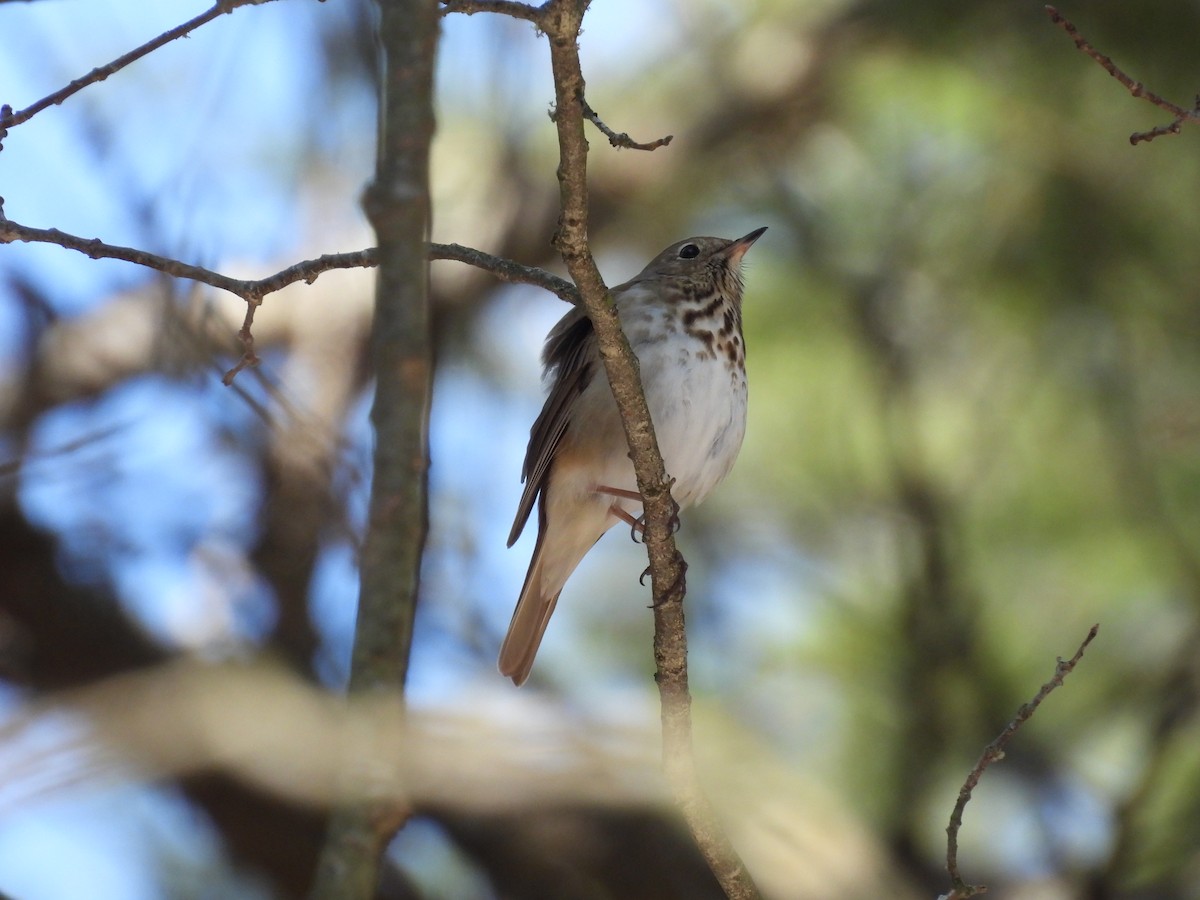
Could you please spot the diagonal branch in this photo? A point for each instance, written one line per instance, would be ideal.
(561, 21)
(507, 270)
(1136, 88)
(622, 139)
(991, 753)
(219, 8)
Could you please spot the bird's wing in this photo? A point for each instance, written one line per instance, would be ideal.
(570, 355)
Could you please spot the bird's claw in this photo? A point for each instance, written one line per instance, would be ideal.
(677, 588)
(638, 527)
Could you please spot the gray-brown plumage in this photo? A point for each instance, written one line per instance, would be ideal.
(683, 317)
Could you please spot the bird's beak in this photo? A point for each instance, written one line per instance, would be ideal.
(738, 248)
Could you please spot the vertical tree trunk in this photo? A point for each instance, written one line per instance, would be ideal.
(397, 203)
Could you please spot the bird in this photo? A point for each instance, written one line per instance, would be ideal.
(682, 315)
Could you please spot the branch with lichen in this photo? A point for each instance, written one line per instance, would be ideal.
(1136, 88)
(992, 753)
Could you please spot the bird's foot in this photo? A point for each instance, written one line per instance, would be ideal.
(637, 525)
(673, 523)
(677, 588)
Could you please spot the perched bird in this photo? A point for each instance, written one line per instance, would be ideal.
(683, 317)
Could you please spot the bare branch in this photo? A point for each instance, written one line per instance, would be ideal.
(1136, 88)
(507, 270)
(28, 458)
(248, 358)
(503, 7)
(307, 270)
(253, 291)
(622, 139)
(992, 753)
(9, 119)
(248, 290)
(1159, 130)
(561, 24)
(561, 21)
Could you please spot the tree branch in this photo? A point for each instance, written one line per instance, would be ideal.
(992, 753)
(507, 270)
(397, 204)
(10, 118)
(622, 139)
(1136, 88)
(254, 290)
(561, 21)
(250, 290)
(503, 7)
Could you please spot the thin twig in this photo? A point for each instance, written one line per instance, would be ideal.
(507, 270)
(1136, 88)
(28, 458)
(622, 139)
(252, 291)
(248, 290)
(991, 753)
(248, 358)
(219, 8)
(503, 7)
(307, 270)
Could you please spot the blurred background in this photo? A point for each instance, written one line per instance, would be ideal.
(974, 420)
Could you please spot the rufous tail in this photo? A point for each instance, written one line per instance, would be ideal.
(529, 622)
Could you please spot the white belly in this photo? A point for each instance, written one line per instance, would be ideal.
(698, 407)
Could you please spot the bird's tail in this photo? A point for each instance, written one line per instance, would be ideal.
(555, 555)
(529, 620)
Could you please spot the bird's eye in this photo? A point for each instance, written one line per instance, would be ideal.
(689, 251)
